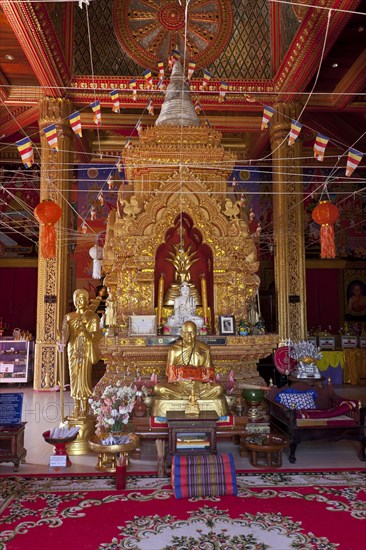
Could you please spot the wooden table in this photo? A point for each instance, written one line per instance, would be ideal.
(191, 435)
(12, 444)
(266, 450)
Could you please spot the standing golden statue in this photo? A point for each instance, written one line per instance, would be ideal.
(190, 374)
(81, 330)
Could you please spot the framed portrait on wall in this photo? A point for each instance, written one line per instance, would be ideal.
(227, 325)
(355, 295)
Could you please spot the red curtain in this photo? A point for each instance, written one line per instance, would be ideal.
(322, 297)
(18, 307)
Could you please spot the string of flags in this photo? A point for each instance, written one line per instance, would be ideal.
(25, 145)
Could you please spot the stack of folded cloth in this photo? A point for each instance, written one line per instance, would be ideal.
(203, 475)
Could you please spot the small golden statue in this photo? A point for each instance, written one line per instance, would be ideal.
(190, 371)
(81, 330)
(193, 408)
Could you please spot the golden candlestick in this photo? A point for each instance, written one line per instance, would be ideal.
(204, 297)
(160, 299)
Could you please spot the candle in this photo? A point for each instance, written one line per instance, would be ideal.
(160, 298)
(204, 297)
(258, 302)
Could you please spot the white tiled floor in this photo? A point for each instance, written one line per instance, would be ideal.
(41, 411)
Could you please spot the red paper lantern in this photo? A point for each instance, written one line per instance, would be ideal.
(48, 213)
(326, 214)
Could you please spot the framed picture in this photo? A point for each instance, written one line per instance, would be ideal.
(142, 325)
(227, 325)
(355, 295)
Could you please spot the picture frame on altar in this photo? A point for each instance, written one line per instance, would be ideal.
(227, 325)
(142, 325)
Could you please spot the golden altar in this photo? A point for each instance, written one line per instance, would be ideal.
(176, 199)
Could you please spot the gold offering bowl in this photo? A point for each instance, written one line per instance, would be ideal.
(107, 453)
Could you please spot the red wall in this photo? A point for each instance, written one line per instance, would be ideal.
(18, 303)
(322, 295)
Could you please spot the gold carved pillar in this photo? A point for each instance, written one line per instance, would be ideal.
(288, 218)
(56, 175)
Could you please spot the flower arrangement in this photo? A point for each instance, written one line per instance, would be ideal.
(114, 407)
(229, 385)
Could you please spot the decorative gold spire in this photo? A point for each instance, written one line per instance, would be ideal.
(178, 109)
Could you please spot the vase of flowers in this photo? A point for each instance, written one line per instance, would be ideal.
(113, 409)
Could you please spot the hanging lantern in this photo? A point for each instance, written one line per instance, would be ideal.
(96, 253)
(48, 213)
(325, 215)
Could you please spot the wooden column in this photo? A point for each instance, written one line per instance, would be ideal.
(288, 219)
(56, 175)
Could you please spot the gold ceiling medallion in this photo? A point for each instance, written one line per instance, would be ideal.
(149, 31)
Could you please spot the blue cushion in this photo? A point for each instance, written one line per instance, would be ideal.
(295, 399)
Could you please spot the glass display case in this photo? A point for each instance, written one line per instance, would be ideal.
(16, 360)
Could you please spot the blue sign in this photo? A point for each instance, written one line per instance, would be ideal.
(11, 408)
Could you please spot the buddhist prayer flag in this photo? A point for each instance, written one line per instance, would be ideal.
(294, 132)
(223, 89)
(84, 228)
(148, 76)
(115, 98)
(150, 107)
(161, 86)
(128, 144)
(119, 165)
(110, 182)
(191, 68)
(26, 151)
(353, 160)
(101, 198)
(138, 127)
(197, 106)
(133, 86)
(319, 146)
(51, 135)
(206, 77)
(75, 123)
(93, 213)
(97, 113)
(268, 113)
(161, 68)
(174, 57)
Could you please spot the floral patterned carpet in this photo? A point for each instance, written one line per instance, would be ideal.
(273, 510)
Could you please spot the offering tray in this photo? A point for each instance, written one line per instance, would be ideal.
(59, 444)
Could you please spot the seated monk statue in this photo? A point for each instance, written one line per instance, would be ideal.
(190, 371)
(184, 310)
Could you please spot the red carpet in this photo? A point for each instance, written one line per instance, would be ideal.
(273, 510)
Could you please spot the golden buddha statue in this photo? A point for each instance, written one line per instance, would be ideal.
(81, 330)
(190, 372)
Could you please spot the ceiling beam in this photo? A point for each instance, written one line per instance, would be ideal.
(303, 57)
(17, 119)
(33, 28)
